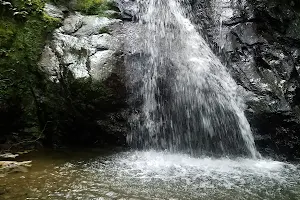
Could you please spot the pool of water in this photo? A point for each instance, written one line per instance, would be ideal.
(102, 174)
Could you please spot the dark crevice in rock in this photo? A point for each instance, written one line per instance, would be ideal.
(239, 21)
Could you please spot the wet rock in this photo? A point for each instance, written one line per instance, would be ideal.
(54, 11)
(8, 155)
(13, 166)
(294, 29)
(128, 8)
(2, 191)
(246, 33)
(259, 42)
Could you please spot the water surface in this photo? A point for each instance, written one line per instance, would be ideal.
(97, 174)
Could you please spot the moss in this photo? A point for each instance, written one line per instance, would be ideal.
(96, 7)
(30, 104)
(30, 6)
(104, 30)
(103, 8)
(52, 22)
(86, 5)
(22, 38)
(30, 40)
(7, 33)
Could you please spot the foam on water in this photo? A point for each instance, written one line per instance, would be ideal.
(154, 173)
(169, 166)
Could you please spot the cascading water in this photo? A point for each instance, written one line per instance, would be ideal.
(190, 102)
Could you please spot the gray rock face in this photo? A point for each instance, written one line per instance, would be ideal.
(54, 11)
(83, 45)
(259, 42)
(84, 61)
(128, 8)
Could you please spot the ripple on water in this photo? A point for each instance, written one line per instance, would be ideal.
(158, 175)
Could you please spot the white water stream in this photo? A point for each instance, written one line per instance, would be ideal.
(190, 102)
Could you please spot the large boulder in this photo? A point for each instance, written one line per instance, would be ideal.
(86, 46)
(84, 62)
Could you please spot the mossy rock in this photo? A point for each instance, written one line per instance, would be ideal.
(8, 30)
(30, 40)
(22, 39)
(104, 30)
(31, 105)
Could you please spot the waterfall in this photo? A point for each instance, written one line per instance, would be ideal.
(190, 103)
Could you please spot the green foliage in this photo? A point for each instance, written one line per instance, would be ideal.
(23, 32)
(30, 40)
(30, 6)
(103, 8)
(104, 30)
(7, 33)
(96, 7)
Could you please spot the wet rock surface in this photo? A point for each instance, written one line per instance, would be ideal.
(259, 42)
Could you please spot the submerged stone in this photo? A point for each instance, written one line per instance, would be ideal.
(13, 166)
